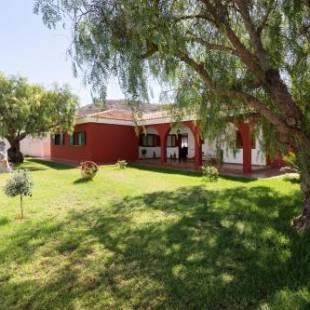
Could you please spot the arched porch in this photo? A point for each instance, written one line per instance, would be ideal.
(170, 138)
(171, 141)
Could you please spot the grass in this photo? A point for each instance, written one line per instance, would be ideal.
(137, 238)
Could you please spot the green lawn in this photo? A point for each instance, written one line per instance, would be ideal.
(143, 239)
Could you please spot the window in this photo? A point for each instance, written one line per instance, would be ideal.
(171, 141)
(150, 140)
(143, 140)
(81, 138)
(239, 141)
(58, 139)
(71, 139)
(78, 138)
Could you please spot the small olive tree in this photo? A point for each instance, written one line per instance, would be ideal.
(20, 184)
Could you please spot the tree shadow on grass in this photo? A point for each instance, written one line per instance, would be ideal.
(49, 164)
(27, 165)
(4, 221)
(82, 180)
(187, 249)
(167, 170)
(293, 179)
(198, 174)
(31, 164)
(238, 178)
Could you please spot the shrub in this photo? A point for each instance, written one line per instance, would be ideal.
(19, 184)
(292, 164)
(121, 164)
(89, 170)
(143, 152)
(210, 173)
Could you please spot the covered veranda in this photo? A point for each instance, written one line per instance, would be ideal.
(195, 162)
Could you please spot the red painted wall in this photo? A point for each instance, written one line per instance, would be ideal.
(105, 143)
(112, 142)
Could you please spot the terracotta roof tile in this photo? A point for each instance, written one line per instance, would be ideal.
(115, 114)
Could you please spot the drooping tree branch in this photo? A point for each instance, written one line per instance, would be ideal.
(269, 77)
(244, 97)
(210, 45)
(189, 17)
(221, 22)
(264, 21)
(254, 35)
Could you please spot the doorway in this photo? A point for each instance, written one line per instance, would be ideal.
(183, 146)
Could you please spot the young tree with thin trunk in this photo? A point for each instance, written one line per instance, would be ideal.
(19, 184)
(241, 56)
(31, 110)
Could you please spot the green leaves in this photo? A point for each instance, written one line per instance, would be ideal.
(27, 109)
(232, 46)
(19, 183)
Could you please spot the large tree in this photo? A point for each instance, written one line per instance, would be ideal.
(235, 55)
(27, 109)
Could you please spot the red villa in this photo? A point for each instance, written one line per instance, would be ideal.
(109, 135)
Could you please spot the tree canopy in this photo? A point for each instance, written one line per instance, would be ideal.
(218, 55)
(227, 50)
(27, 109)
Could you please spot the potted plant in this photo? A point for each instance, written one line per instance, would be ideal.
(88, 170)
(121, 164)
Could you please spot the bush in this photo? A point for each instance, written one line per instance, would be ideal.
(121, 164)
(210, 173)
(143, 152)
(292, 164)
(20, 184)
(89, 170)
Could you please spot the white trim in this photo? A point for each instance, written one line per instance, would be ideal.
(104, 121)
(142, 122)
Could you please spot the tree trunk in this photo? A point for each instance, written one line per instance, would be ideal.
(302, 222)
(14, 153)
(21, 207)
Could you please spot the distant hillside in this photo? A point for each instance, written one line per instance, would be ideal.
(117, 104)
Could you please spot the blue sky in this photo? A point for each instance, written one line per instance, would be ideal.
(29, 48)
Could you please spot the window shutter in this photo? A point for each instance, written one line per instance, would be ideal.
(174, 140)
(79, 138)
(169, 140)
(83, 138)
(71, 139)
